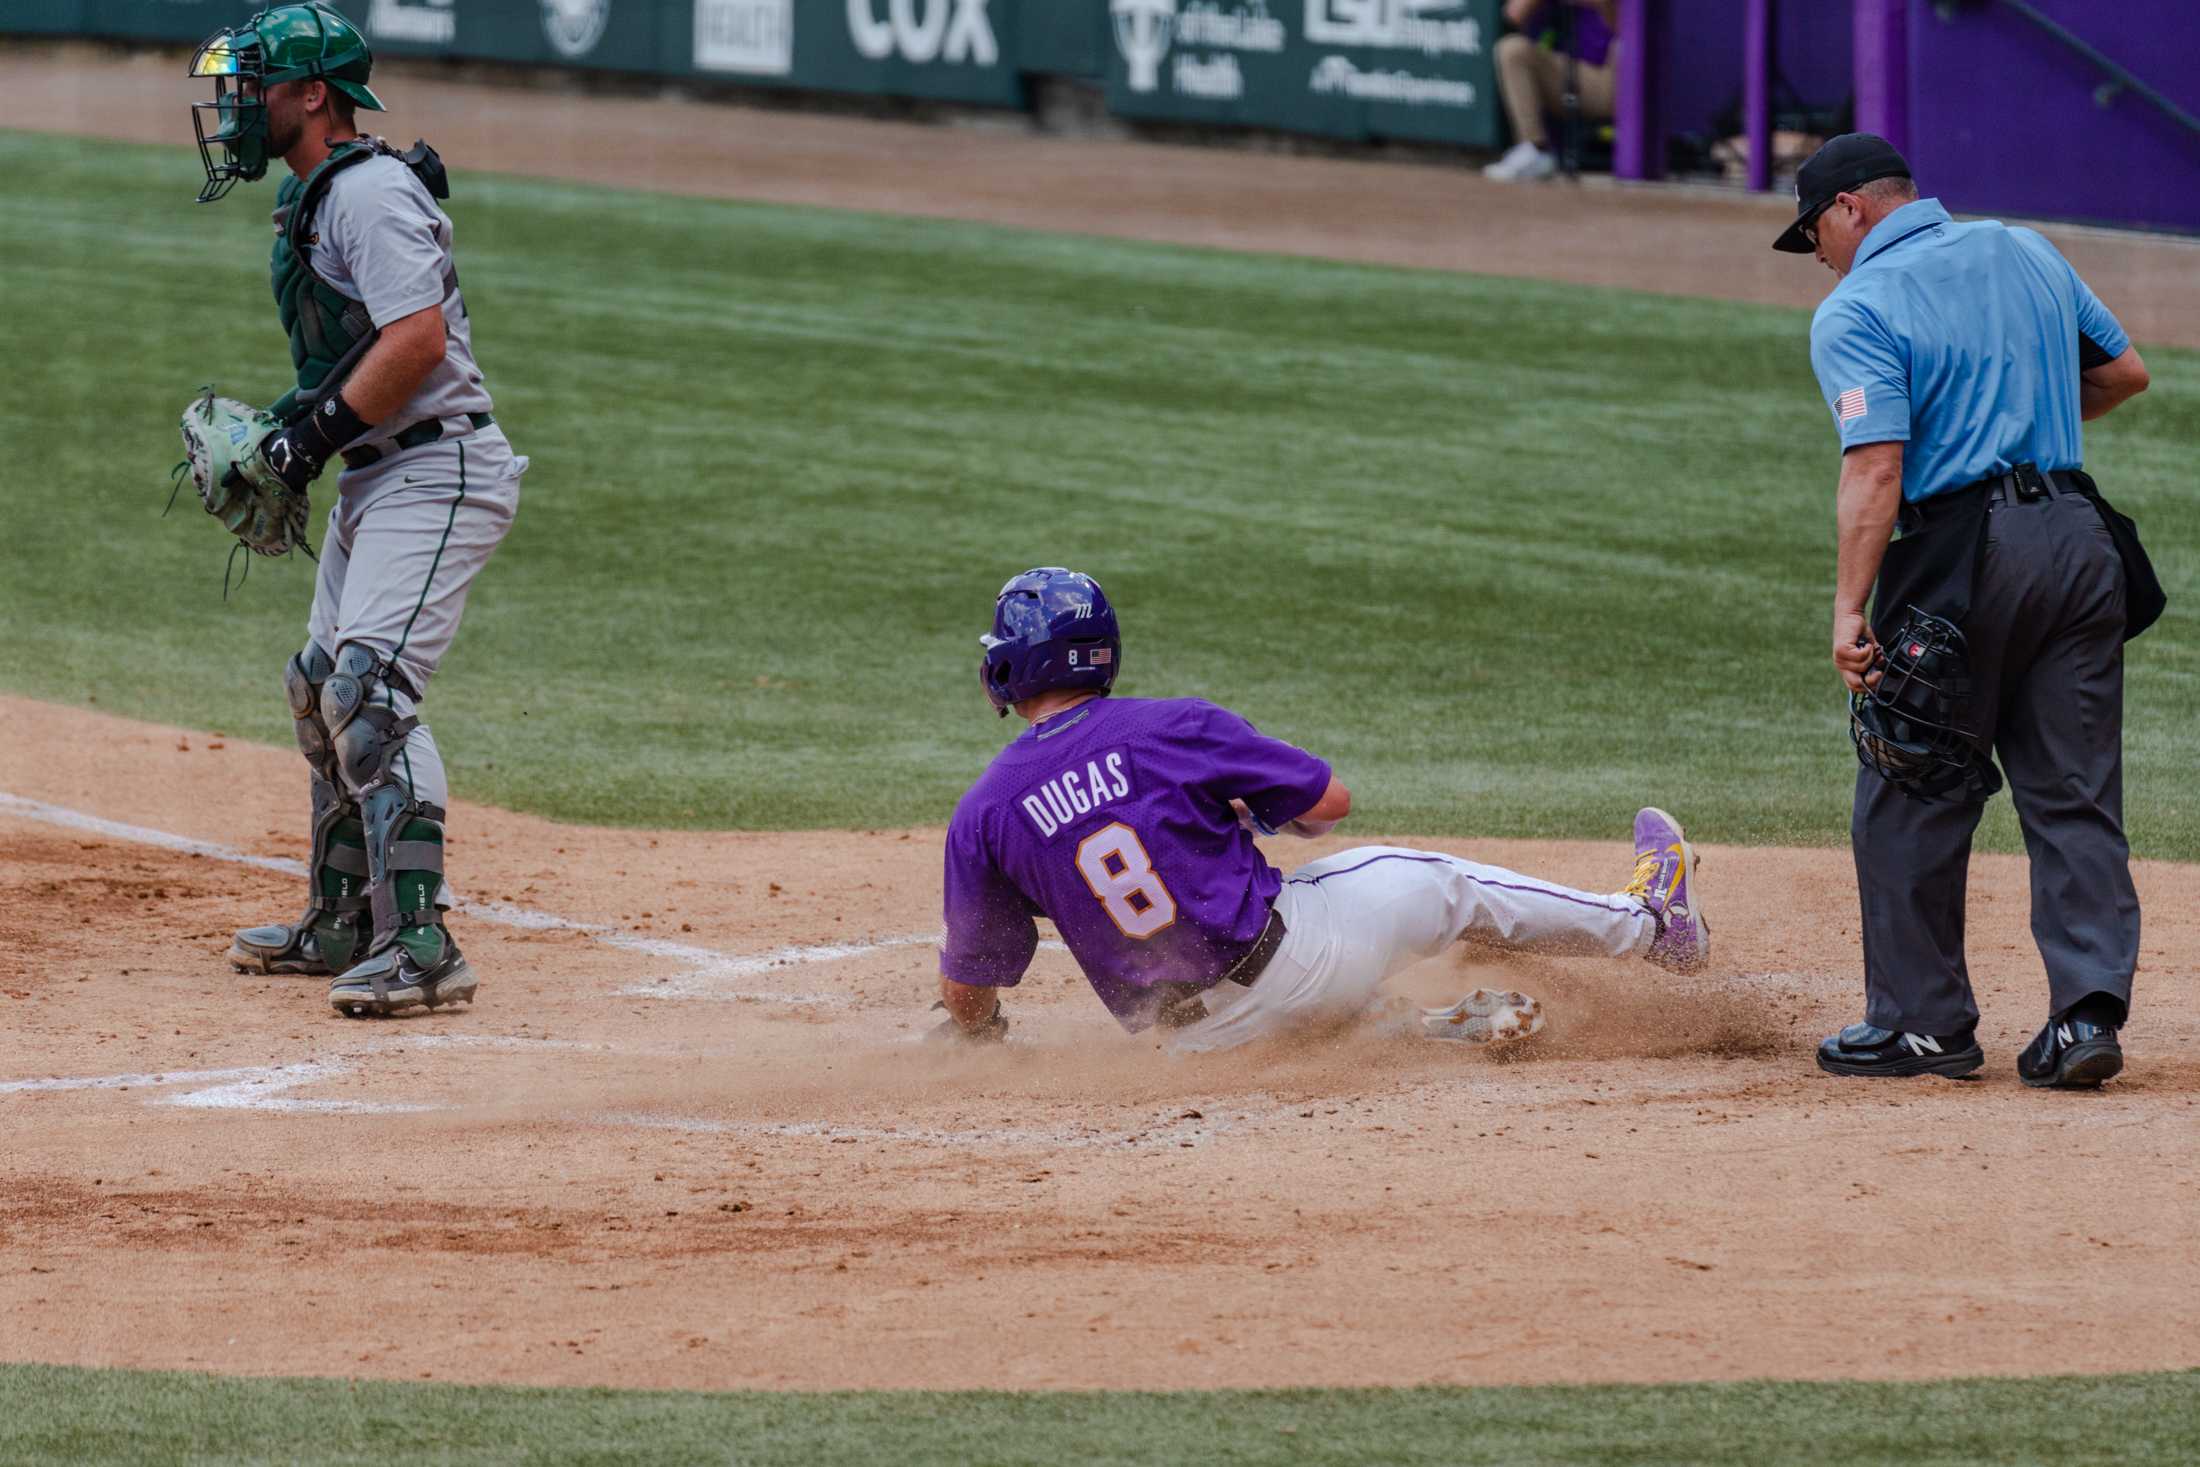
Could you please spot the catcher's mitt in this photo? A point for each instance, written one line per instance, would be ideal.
(221, 446)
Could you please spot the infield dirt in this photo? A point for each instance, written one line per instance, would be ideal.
(687, 1137)
(637, 1164)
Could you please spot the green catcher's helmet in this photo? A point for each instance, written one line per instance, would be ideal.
(284, 43)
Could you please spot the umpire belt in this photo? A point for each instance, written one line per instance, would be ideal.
(2024, 484)
(427, 430)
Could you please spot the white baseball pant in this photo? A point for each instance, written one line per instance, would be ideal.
(1360, 916)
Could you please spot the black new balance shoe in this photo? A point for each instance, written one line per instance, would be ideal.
(2071, 1053)
(1867, 1049)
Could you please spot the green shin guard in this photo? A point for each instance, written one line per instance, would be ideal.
(340, 892)
(418, 885)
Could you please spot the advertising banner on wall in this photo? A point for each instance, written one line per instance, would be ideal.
(155, 20)
(1338, 68)
(616, 35)
(955, 50)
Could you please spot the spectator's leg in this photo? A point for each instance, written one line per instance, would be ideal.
(1527, 77)
(1598, 87)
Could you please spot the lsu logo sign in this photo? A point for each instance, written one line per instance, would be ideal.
(954, 31)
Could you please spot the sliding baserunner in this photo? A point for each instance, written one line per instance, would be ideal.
(386, 381)
(1129, 824)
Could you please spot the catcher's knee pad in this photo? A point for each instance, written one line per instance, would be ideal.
(365, 729)
(303, 677)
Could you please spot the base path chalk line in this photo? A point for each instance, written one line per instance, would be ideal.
(247, 1087)
(266, 1087)
(706, 973)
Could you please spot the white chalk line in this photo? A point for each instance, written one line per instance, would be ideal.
(243, 1087)
(705, 970)
(266, 1087)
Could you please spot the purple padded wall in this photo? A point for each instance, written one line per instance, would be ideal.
(1812, 47)
(2002, 118)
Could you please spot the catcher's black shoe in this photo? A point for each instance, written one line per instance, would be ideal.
(2071, 1054)
(1867, 1049)
(278, 948)
(394, 979)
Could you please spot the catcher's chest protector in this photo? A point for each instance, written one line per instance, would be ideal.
(326, 327)
(323, 323)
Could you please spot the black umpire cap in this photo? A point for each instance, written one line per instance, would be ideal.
(1843, 165)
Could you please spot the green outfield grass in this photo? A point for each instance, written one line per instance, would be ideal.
(50, 1416)
(1517, 556)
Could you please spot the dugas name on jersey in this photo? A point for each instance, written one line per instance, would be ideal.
(1076, 792)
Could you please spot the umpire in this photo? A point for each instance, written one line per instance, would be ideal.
(1958, 361)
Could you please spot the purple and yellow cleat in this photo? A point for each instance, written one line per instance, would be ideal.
(1665, 869)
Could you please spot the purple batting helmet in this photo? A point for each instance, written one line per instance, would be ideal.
(1052, 628)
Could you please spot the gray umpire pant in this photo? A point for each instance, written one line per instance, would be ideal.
(2045, 636)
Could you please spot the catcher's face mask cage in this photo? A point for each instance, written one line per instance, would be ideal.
(237, 117)
(284, 43)
(1909, 729)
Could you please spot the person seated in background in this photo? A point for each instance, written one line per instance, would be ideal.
(1532, 76)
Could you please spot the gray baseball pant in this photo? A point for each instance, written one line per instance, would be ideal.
(2045, 636)
(404, 541)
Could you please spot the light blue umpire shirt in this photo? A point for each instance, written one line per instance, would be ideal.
(1962, 341)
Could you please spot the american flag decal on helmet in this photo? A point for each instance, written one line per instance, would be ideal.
(1101, 656)
(1849, 404)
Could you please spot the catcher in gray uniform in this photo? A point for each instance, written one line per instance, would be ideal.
(387, 385)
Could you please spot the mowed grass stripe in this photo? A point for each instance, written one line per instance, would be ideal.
(1517, 556)
(61, 1415)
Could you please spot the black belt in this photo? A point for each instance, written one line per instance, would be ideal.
(2023, 484)
(1179, 1004)
(1246, 971)
(427, 430)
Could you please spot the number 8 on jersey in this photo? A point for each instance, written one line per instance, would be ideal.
(1115, 865)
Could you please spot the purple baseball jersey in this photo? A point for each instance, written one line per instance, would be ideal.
(1113, 820)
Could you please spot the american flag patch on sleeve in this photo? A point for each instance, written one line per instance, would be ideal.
(1849, 404)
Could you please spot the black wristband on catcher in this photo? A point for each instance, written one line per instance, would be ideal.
(298, 453)
(330, 426)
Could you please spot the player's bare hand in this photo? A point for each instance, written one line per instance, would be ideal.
(954, 1031)
(1854, 651)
